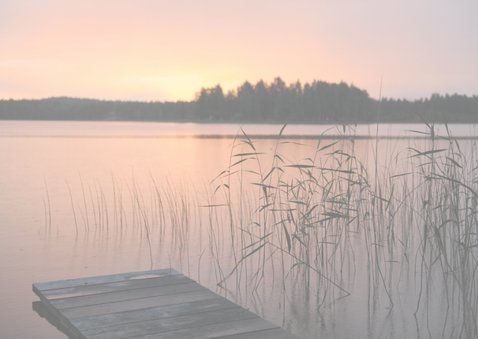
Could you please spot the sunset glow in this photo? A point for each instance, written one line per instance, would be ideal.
(168, 50)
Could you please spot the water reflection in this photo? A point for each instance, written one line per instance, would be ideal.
(368, 268)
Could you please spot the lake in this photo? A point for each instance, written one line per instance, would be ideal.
(93, 198)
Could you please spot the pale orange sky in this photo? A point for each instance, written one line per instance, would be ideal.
(168, 50)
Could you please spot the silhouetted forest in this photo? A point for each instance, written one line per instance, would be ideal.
(275, 102)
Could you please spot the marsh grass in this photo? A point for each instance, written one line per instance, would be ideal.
(322, 226)
(157, 213)
(332, 221)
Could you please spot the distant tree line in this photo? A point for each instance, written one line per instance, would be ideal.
(65, 108)
(315, 102)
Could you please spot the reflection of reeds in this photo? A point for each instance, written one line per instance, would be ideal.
(47, 209)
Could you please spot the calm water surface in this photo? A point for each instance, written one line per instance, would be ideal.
(73, 199)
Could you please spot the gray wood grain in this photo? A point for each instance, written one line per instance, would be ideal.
(90, 289)
(103, 279)
(90, 322)
(276, 333)
(138, 304)
(214, 330)
(148, 304)
(131, 294)
(170, 324)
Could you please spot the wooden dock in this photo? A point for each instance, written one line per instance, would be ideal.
(152, 304)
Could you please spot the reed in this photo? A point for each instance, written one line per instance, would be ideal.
(326, 223)
(318, 218)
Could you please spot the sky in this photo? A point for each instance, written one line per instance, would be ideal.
(167, 50)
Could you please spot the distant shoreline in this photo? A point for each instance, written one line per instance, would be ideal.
(251, 136)
(275, 103)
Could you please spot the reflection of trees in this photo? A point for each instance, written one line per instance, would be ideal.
(314, 102)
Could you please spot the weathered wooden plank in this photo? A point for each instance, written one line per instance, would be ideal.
(132, 294)
(103, 279)
(210, 331)
(276, 333)
(137, 304)
(170, 324)
(148, 304)
(90, 289)
(152, 313)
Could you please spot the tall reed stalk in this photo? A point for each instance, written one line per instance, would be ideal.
(312, 218)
